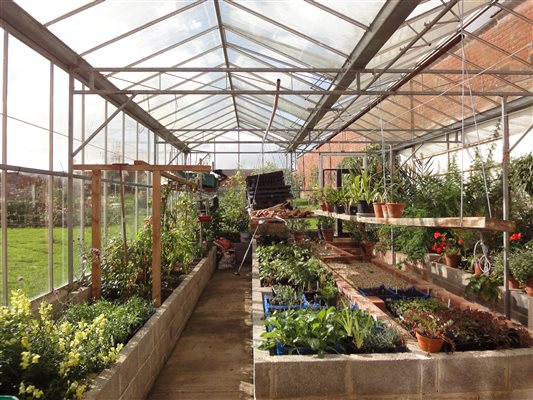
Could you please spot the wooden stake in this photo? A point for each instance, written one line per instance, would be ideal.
(96, 240)
(156, 239)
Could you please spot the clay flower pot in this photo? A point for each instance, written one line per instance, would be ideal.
(378, 209)
(298, 237)
(429, 344)
(513, 283)
(452, 260)
(395, 210)
(327, 233)
(529, 287)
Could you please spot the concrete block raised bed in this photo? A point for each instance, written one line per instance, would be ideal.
(502, 374)
(142, 358)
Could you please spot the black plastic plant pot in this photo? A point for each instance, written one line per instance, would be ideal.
(364, 208)
(339, 209)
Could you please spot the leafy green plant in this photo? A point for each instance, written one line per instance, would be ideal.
(521, 265)
(326, 222)
(399, 307)
(285, 295)
(297, 225)
(42, 358)
(484, 286)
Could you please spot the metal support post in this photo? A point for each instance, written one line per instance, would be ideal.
(70, 184)
(391, 173)
(505, 185)
(4, 172)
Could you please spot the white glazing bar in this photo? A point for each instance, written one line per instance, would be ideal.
(104, 197)
(50, 194)
(82, 184)
(136, 177)
(4, 172)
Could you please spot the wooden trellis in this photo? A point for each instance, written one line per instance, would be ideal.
(158, 171)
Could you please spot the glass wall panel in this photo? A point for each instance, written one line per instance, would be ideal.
(27, 233)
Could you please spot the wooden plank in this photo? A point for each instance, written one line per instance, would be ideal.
(95, 235)
(478, 223)
(141, 167)
(156, 239)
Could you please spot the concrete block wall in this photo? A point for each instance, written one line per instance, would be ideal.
(143, 357)
(495, 375)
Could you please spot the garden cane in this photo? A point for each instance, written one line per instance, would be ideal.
(249, 246)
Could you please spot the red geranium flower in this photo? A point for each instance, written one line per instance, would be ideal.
(460, 241)
(436, 235)
(515, 237)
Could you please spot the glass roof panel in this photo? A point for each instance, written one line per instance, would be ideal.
(155, 38)
(288, 43)
(332, 30)
(42, 12)
(363, 11)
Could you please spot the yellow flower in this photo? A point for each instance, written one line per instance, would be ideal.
(38, 393)
(24, 342)
(25, 355)
(22, 388)
(80, 391)
(35, 359)
(30, 389)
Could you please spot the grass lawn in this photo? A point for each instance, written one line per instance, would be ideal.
(27, 256)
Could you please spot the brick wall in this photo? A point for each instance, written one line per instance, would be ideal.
(506, 31)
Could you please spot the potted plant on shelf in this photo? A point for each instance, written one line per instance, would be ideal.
(379, 205)
(521, 267)
(353, 194)
(394, 208)
(340, 200)
(430, 330)
(325, 225)
(369, 191)
(449, 246)
(297, 226)
(330, 198)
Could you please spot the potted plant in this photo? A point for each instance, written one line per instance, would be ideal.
(297, 226)
(368, 192)
(340, 200)
(328, 294)
(430, 330)
(521, 267)
(326, 227)
(394, 209)
(353, 193)
(379, 205)
(449, 246)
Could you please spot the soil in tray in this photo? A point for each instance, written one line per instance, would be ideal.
(411, 293)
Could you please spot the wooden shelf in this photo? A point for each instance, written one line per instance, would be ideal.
(478, 223)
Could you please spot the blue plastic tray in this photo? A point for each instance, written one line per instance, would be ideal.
(387, 296)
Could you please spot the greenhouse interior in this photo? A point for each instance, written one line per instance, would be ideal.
(291, 199)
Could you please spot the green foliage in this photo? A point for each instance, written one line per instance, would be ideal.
(296, 225)
(485, 286)
(399, 307)
(232, 215)
(521, 265)
(329, 330)
(521, 174)
(285, 295)
(326, 222)
(48, 359)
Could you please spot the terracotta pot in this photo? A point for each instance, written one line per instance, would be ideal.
(395, 210)
(385, 210)
(452, 260)
(368, 249)
(477, 268)
(378, 209)
(299, 237)
(327, 233)
(323, 206)
(429, 344)
(513, 283)
(529, 287)
(329, 207)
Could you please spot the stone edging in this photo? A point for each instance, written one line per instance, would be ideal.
(501, 374)
(143, 357)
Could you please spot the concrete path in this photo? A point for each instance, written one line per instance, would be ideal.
(213, 358)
